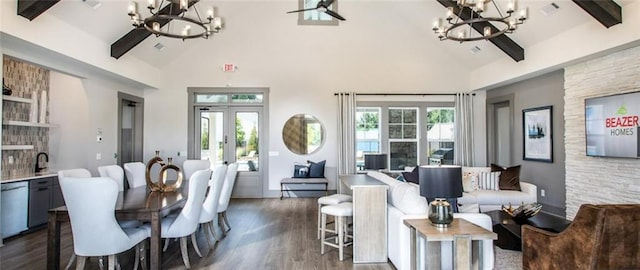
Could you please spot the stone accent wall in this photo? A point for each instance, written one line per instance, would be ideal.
(23, 79)
(593, 179)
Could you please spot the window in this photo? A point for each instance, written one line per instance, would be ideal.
(403, 138)
(367, 134)
(440, 135)
(411, 133)
(313, 17)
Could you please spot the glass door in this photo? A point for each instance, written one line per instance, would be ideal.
(212, 136)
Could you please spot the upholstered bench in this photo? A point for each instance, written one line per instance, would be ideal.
(303, 181)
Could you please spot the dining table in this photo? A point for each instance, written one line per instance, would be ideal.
(139, 204)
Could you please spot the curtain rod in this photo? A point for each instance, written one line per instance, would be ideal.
(400, 94)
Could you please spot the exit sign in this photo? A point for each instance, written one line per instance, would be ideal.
(229, 67)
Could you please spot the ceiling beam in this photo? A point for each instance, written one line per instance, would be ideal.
(607, 12)
(503, 42)
(137, 35)
(31, 9)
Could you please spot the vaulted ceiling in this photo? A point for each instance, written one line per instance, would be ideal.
(107, 21)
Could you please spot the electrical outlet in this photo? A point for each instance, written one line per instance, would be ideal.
(98, 156)
(10, 159)
(542, 194)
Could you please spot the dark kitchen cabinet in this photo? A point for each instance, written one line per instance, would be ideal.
(44, 194)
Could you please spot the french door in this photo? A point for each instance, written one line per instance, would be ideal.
(225, 135)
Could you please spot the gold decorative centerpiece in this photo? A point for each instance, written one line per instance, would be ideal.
(523, 212)
(160, 184)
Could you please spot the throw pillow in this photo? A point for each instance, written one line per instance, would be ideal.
(301, 171)
(489, 181)
(316, 169)
(509, 177)
(470, 177)
(412, 176)
(470, 183)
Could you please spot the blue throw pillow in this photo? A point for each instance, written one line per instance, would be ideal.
(300, 171)
(316, 169)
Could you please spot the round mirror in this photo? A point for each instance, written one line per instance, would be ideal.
(303, 134)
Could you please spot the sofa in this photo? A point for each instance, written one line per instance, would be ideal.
(489, 200)
(405, 202)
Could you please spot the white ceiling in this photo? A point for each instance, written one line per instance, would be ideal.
(109, 22)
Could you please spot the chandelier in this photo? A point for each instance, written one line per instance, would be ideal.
(466, 15)
(162, 16)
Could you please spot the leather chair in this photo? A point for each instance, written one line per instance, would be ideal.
(225, 196)
(91, 204)
(135, 172)
(114, 172)
(600, 237)
(190, 166)
(209, 212)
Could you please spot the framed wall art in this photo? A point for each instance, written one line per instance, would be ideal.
(537, 135)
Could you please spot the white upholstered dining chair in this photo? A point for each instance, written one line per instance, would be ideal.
(191, 166)
(91, 206)
(114, 172)
(209, 212)
(74, 173)
(225, 196)
(186, 222)
(135, 174)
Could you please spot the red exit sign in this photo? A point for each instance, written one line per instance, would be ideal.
(228, 67)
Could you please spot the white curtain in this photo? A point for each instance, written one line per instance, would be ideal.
(463, 145)
(346, 133)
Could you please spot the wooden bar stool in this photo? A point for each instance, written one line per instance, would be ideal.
(331, 200)
(340, 212)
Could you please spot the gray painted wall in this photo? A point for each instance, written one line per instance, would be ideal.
(544, 90)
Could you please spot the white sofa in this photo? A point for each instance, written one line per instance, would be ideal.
(405, 202)
(489, 200)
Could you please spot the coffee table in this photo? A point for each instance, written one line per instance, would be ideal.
(510, 232)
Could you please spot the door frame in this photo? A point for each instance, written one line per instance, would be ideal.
(492, 104)
(263, 130)
(139, 125)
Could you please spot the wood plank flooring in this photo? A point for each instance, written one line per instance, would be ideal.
(265, 234)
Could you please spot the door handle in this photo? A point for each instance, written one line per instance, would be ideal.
(225, 139)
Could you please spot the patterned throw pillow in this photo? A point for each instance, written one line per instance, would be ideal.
(489, 181)
(470, 177)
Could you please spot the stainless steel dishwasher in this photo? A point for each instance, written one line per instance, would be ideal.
(15, 208)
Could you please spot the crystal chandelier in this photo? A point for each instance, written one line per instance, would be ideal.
(466, 15)
(162, 16)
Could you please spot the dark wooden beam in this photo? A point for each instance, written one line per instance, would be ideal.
(137, 35)
(503, 42)
(607, 12)
(31, 9)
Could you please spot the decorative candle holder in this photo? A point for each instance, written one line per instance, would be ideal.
(160, 184)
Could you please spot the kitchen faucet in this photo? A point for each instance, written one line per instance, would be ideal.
(46, 158)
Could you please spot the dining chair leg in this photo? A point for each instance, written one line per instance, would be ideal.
(80, 262)
(184, 252)
(340, 228)
(221, 224)
(194, 241)
(101, 263)
(212, 229)
(226, 221)
(73, 258)
(319, 217)
(166, 244)
(112, 262)
(136, 261)
(207, 233)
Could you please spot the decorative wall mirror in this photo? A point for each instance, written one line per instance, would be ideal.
(303, 134)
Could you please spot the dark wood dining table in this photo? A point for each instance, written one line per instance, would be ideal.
(133, 204)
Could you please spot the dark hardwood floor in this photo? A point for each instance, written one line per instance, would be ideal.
(266, 234)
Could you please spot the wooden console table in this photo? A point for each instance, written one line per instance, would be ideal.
(303, 181)
(369, 217)
(466, 237)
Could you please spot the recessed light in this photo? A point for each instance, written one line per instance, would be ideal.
(549, 9)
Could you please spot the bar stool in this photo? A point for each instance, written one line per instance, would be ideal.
(340, 213)
(331, 200)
